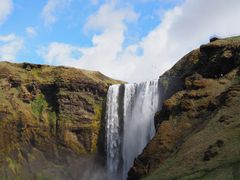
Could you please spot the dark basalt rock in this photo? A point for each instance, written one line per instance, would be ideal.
(213, 39)
(14, 82)
(29, 66)
(212, 150)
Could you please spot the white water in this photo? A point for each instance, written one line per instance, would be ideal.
(140, 102)
(113, 130)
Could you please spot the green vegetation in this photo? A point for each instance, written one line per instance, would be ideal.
(44, 112)
(198, 131)
(47, 115)
(39, 105)
(235, 38)
(221, 125)
(40, 176)
(13, 165)
(52, 118)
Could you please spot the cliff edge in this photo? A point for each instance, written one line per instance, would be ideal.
(198, 127)
(51, 121)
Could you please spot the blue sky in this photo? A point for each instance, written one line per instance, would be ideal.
(123, 39)
(70, 21)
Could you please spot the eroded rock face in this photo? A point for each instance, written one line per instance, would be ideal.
(198, 127)
(50, 117)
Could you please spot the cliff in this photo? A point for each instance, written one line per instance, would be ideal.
(198, 127)
(51, 121)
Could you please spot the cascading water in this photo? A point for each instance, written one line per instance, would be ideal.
(130, 123)
(113, 130)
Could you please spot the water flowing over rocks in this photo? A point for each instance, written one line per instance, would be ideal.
(130, 123)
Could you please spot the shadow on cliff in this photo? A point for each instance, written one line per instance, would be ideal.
(102, 132)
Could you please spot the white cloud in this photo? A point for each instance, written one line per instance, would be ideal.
(51, 8)
(10, 45)
(106, 46)
(108, 17)
(181, 29)
(6, 7)
(67, 52)
(31, 31)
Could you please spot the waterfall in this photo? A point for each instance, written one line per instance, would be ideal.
(113, 130)
(130, 123)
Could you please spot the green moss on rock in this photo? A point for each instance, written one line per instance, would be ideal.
(197, 133)
(48, 117)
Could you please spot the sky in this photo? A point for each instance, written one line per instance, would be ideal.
(130, 40)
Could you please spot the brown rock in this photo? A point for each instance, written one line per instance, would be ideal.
(199, 129)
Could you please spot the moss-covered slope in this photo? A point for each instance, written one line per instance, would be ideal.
(50, 117)
(198, 128)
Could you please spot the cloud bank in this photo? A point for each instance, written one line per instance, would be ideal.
(181, 29)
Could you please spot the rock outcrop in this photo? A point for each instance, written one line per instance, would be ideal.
(198, 127)
(51, 121)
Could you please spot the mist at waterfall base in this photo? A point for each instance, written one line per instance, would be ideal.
(129, 124)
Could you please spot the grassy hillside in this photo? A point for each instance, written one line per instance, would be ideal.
(50, 120)
(198, 128)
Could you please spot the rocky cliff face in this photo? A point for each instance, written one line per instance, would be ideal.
(51, 121)
(198, 128)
